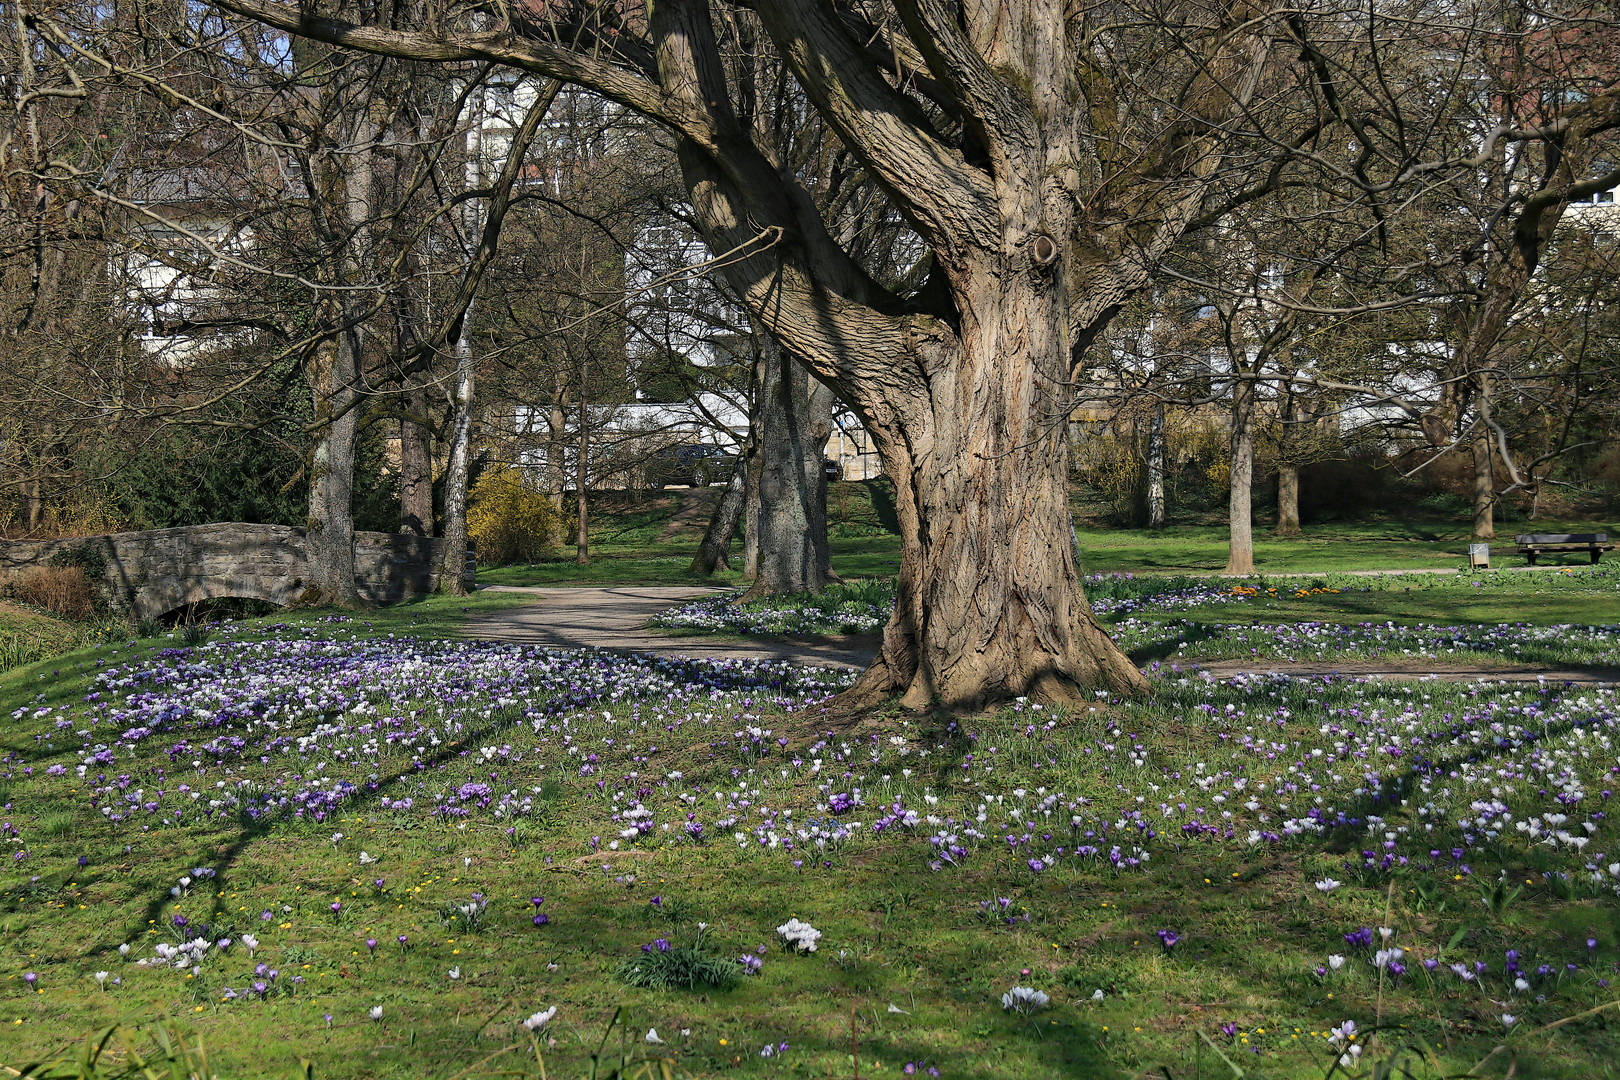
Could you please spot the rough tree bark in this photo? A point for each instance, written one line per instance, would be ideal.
(1287, 500)
(345, 183)
(1155, 468)
(415, 467)
(795, 415)
(333, 373)
(714, 552)
(751, 515)
(1240, 508)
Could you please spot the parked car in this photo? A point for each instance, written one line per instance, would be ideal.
(698, 465)
(832, 470)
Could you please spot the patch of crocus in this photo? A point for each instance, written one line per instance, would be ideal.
(31, 978)
(1229, 1029)
(1168, 939)
(541, 919)
(1024, 1000)
(371, 945)
(375, 1013)
(1327, 885)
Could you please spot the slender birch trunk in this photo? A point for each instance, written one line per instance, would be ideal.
(453, 569)
(1155, 468)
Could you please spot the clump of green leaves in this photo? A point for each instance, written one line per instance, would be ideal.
(664, 966)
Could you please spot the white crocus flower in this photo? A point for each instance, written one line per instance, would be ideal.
(540, 1019)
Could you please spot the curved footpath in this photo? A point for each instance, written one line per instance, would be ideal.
(615, 617)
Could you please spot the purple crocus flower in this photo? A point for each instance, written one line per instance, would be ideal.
(1168, 938)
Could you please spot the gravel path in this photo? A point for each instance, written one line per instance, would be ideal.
(615, 617)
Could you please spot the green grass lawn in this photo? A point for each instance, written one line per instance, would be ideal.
(917, 948)
(1586, 595)
(511, 773)
(639, 538)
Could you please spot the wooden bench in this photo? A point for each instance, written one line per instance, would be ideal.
(1533, 545)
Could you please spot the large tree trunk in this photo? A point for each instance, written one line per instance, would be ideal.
(1240, 509)
(1484, 487)
(794, 418)
(415, 468)
(1287, 500)
(329, 536)
(989, 602)
(1155, 468)
(963, 384)
(714, 553)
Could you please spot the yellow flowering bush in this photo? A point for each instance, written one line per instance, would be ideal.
(509, 518)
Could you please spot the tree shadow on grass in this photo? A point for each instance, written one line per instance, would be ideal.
(1191, 633)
